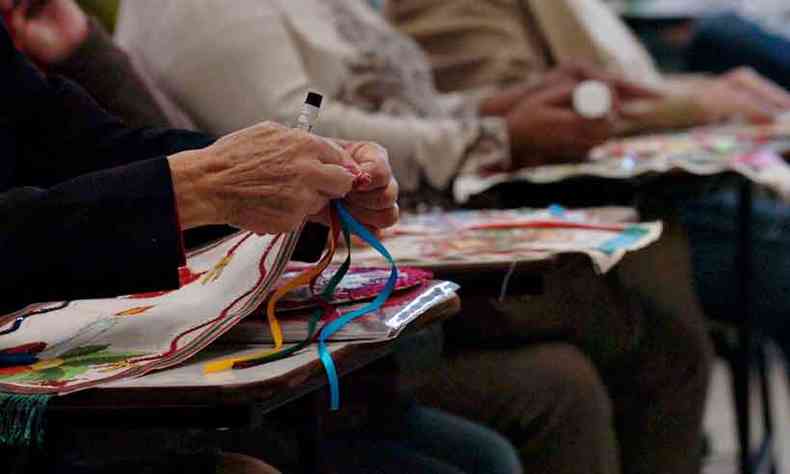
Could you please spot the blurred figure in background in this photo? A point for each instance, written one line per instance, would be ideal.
(731, 40)
(479, 43)
(106, 11)
(65, 41)
(380, 85)
(475, 43)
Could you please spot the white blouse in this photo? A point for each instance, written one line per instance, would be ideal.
(230, 64)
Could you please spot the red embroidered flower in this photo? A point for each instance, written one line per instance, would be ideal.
(30, 348)
(8, 371)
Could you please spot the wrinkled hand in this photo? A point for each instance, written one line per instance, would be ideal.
(544, 128)
(48, 31)
(373, 203)
(741, 93)
(267, 178)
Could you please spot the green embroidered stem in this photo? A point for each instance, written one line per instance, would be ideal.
(22, 419)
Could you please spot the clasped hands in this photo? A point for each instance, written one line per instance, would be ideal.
(269, 178)
(544, 127)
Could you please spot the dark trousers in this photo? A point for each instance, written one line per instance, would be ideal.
(727, 41)
(595, 375)
(712, 224)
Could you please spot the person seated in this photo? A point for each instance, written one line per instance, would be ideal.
(119, 203)
(379, 91)
(61, 38)
(575, 404)
(465, 42)
(730, 40)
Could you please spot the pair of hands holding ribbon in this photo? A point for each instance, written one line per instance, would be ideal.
(268, 178)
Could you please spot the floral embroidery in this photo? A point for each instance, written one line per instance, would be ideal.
(185, 277)
(30, 348)
(55, 371)
(135, 311)
(215, 273)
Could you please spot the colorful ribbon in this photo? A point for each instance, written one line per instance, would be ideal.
(324, 311)
(341, 220)
(351, 226)
(308, 276)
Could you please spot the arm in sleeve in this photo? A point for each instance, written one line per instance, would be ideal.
(234, 82)
(71, 135)
(102, 234)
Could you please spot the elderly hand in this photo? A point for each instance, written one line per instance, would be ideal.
(267, 178)
(48, 31)
(544, 128)
(741, 93)
(373, 203)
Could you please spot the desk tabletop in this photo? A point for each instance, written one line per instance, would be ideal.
(523, 240)
(753, 152)
(267, 386)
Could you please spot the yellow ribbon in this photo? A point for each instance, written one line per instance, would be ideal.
(307, 276)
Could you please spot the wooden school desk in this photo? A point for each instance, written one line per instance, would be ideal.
(185, 397)
(185, 391)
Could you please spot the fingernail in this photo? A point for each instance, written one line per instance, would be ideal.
(362, 179)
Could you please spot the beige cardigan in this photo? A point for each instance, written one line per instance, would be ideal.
(228, 67)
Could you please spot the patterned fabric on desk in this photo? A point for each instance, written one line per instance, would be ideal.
(462, 238)
(751, 151)
(80, 344)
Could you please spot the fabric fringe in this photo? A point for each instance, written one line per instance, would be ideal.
(22, 419)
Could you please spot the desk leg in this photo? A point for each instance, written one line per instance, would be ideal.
(743, 356)
(767, 461)
(750, 350)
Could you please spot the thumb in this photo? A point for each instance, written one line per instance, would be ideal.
(338, 155)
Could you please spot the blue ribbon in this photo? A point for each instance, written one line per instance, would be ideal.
(627, 237)
(14, 360)
(351, 225)
(556, 210)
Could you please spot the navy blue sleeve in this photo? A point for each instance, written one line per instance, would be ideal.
(86, 204)
(101, 234)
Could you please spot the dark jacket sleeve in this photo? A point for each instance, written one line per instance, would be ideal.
(70, 135)
(101, 234)
(86, 203)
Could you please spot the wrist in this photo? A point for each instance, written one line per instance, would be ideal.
(194, 198)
